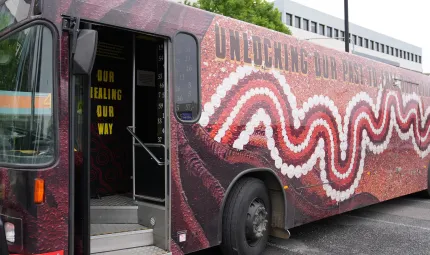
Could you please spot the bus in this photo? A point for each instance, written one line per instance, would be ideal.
(152, 127)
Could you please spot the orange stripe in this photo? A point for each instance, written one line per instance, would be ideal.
(24, 102)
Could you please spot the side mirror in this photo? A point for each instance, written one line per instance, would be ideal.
(86, 50)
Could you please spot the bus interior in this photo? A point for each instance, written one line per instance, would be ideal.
(120, 145)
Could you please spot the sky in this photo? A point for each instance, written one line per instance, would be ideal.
(407, 21)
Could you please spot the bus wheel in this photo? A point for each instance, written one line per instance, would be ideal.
(246, 218)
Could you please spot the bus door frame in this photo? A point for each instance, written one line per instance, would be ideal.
(81, 66)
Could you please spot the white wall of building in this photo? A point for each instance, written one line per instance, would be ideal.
(340, 45)
(303, 12)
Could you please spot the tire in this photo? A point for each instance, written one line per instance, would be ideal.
(248, 197)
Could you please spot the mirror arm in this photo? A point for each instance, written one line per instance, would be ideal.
(72, 25)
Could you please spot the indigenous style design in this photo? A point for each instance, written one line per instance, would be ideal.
(335, 131)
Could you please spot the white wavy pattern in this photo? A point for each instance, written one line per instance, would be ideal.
(299, 114)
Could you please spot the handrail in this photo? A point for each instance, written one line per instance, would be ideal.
(155, 145)
(153, 199)
(3, 241)
(129, 129)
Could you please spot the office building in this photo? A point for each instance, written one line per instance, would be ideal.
(321, 28)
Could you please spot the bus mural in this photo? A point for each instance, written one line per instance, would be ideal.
(225, 132)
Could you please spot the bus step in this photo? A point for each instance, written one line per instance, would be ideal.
(148, 250)
(114, 237)
(116, 209)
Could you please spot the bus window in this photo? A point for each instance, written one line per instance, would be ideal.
(26, 88)
(187, 80)
(13, 11)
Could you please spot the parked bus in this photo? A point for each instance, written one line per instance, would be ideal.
(151, 127)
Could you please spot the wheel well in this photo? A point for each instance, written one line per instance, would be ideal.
(276, 193)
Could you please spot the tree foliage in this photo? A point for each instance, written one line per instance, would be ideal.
(258, 12)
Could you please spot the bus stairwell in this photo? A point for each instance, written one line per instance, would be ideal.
(127, 151)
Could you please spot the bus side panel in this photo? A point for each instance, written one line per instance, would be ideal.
(43, 228)
(270, 101)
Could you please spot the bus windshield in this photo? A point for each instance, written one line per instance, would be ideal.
(26, 85)
(13, 11)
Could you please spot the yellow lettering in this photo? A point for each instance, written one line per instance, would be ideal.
(111, 114)
(119, 94)
(114, 94)
(105, 128)
(106, 93)
(101, 128)
(99, 111)
(105, 76)
(99, 75)
(111, 77)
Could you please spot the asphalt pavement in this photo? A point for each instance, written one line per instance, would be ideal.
(399, 226)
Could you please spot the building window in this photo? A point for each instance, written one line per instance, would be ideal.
(376, 46)
(372, 45)
(409, 56)
(289, 19)
(342, 35)
(397, 52)
(401, 54)
(297, 21)
(322, 29)
(392, 51)
(313, 27)
(354, 39)
(306, 24)
(329, 32)
(360, 41)
(336, 33)
(366, 43)
(419, 59)
(387, 49)
(382, 48)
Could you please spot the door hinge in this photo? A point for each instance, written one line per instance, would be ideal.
(71, 25)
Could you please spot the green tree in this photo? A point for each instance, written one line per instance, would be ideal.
(258, 12)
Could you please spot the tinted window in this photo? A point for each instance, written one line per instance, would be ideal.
(13, 11)
(297, 21)
(187, 82)
(26, 94)
(306, 24)
(322, 29)
(289, 19)
(313, 27)
(329, 32)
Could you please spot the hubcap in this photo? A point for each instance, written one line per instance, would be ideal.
(256, 222)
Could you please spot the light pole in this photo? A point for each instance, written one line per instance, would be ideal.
(346, 26)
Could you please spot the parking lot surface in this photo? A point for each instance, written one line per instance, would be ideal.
(399, 226)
